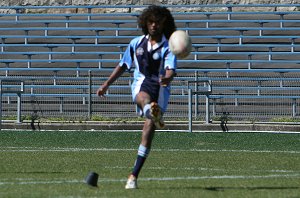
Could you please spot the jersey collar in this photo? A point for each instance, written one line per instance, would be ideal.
(151, 48)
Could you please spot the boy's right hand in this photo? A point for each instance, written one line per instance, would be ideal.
(102, 90)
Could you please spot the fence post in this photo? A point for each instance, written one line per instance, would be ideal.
(0, 105)
(19, 108)
(294, 108)
(207, 109)
(90, 95)
(190, 95)
(196, 95)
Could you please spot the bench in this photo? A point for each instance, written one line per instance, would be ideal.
(55, 45)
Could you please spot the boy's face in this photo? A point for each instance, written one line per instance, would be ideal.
(155, 26)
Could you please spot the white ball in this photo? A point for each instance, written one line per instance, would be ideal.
(180, 44)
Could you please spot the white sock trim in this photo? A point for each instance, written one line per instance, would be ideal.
(145, 109)
(143, 151)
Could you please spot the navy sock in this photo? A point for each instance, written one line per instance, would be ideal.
(138, 165)
(142, 155)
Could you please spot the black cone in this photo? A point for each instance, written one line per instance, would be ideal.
(92, 179)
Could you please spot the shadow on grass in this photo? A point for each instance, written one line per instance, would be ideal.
(237, 188)
(251, 188)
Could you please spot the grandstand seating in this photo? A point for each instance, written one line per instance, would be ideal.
(251, 57)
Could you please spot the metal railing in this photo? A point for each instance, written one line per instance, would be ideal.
(250, 72)
(18, 92)
(205, 90)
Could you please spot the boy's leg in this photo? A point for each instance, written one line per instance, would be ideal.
(143, 152)
(153, 115)
(142, 100)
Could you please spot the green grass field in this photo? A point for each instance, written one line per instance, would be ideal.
(54, 164)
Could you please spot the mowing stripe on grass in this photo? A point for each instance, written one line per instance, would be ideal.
(59, 149)
(103, 180)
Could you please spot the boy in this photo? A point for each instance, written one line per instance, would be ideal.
(155, 67)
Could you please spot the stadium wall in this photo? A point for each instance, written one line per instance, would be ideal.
(145, 2)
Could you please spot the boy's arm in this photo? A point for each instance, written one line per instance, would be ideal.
(167, 79)
(118, 71)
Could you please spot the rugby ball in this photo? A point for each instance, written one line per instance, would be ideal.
(180, 44)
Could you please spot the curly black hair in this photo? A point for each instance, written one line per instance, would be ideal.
(159, 13)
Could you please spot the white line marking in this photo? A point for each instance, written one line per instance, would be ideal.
(219, 177)
(41, 182)
(167, 130)
(59, 149)
(201, 169)
(104, 180)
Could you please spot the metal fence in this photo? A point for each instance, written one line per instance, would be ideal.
(250, 58)
(245, 96)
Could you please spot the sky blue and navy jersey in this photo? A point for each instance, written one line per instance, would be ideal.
(149, 63)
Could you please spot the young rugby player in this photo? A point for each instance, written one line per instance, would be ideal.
(155, 67)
